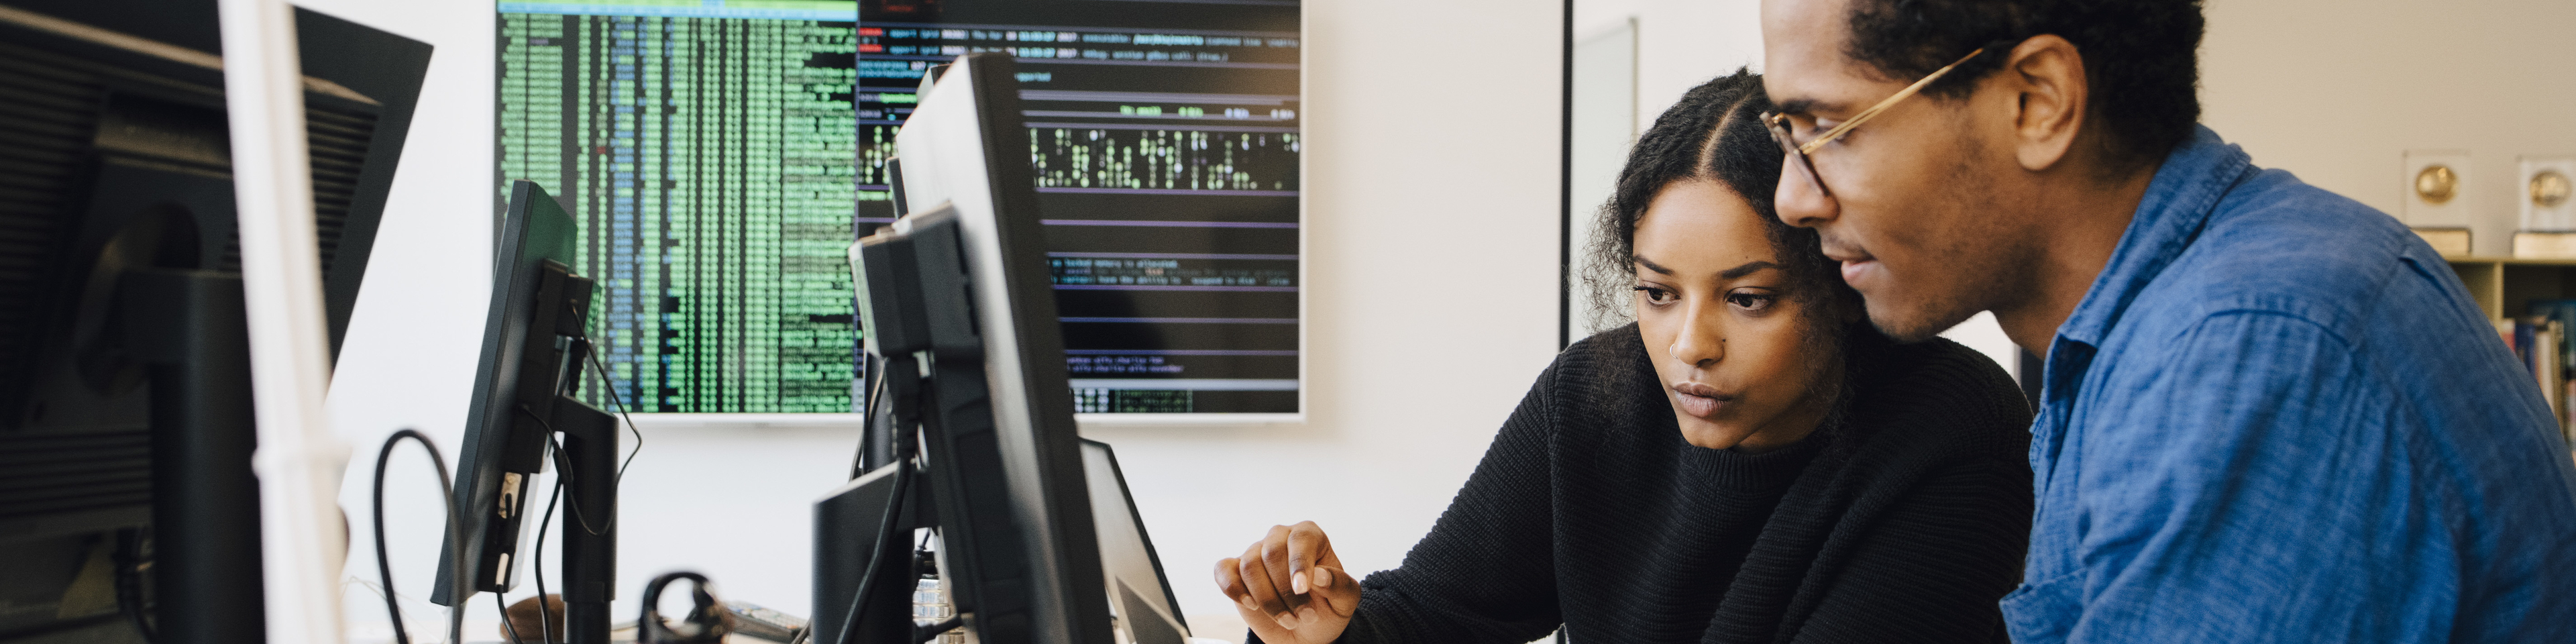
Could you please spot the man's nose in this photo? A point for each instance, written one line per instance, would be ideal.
(1800, 202)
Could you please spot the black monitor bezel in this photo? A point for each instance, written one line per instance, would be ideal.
(536, 230)
(1066, 600)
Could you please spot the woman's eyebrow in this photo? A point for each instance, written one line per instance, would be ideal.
(1747, 269)
(1651, 265)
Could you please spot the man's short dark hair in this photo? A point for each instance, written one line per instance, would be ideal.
(2141, 57)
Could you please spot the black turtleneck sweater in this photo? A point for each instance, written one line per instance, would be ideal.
(1904, 520)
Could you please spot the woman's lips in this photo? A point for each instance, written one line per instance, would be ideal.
(1700, 400)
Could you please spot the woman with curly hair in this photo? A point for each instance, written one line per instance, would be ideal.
(1748, 462)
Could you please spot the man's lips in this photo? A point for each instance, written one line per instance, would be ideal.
(1700, 400)
(1845, 254)
(1853, 270)
(1856, 263)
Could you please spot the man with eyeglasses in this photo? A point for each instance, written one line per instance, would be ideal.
(2270, 413)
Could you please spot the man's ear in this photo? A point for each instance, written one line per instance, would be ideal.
(2045, 76)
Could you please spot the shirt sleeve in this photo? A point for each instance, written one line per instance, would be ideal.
(1485, 574)
(2255, 487)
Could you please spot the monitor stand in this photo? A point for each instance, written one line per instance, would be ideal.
(851, 531)
(846, 522)
(587, 462)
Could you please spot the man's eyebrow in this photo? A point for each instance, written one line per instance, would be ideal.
(1651, 265)
(1799, 106)
(1747, 269)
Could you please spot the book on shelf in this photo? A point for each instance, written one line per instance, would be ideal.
(2540, 341)
(2450, 242)
(2544, 244)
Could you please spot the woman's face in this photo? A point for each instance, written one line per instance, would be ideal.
(1730, 342)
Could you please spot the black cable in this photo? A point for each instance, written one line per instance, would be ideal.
(537, 565)
(502, 605)
(563, 469)
(609, 388)
(921, 634)
(563, 473)
(868, 407)
(446, 489)
(601, 372)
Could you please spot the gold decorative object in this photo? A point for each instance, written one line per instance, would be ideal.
(2439, 181)
(2545, 200)
(2548, 189)
(2436, 183)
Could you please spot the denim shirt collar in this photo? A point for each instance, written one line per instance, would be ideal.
(2178, 203)
(2177, 206)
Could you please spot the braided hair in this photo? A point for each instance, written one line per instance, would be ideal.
(1713, 134)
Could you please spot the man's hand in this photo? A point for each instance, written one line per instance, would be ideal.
(1290, 587)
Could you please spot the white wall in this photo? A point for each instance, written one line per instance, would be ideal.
(1604, 126)
(1432, 223)
(409, 355)
(1680, 43)
(2337, 90)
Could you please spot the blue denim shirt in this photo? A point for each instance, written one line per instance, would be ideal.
(2278, 417)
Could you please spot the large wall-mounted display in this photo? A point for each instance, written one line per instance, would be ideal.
(721, 155)
(706, 150)
(1166, 138)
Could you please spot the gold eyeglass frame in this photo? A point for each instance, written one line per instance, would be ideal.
(1779, 123)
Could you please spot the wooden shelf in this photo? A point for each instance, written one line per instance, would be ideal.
(2505, 286)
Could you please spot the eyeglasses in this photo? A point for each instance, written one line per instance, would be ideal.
(1779, 123)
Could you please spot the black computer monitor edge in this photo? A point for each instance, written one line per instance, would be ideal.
(535, 344)
(480, 483)
(159, 180)
(1000, 451)
(1066, 547)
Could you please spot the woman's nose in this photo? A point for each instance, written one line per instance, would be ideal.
(1699, 343)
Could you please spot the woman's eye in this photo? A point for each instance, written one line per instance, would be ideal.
(1655, 295)
(1750, 301)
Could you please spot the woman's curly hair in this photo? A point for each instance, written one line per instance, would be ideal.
(1714, 134)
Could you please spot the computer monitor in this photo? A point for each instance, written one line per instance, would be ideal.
(706, 147)
(1148, 612)
(1000, 457)
(536, 340)
(1037, 580)
(125, 410)
(1168, 140)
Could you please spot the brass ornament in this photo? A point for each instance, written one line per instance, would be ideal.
(2436, 184)
(2548, 189)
